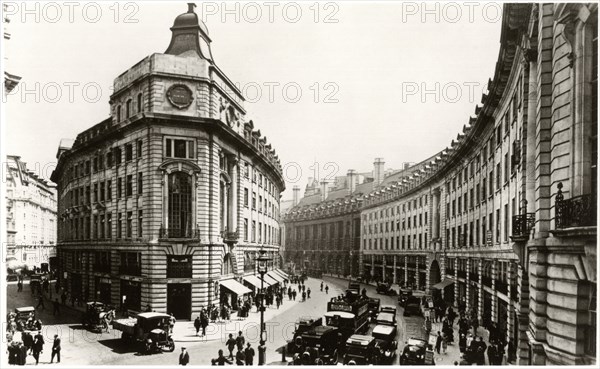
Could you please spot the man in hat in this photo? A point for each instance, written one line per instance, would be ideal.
(55, 349)
(184, 357)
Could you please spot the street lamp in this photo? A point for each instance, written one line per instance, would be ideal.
(262, 262)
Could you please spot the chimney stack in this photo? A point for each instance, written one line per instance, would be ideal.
(296, 192)
(406, 166)
(351, 175)
(324, 190)
(378, 171)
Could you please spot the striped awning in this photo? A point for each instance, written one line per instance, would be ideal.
(272, 281)
(255, 281)
(282, 273)
(235, 287)
(275, 276)
(443, 284)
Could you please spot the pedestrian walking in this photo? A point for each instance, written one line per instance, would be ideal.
(204, 321)
(303, 296)
(184, 357)
(221, 359)
(55, 305)
(308, 292)
(249, 355)
(197, 325)
(438, 342)
(40, 302)
(240, 341)
(492, 351)
(481, 348)
(294, 295)
(321, 286)
(55, 349)
(231, 342)
(326, 289)
(462, 343)
(427, 326)
(38, 346)
(444, 343)
(27, 341)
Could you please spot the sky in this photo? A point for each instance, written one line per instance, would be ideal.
(332, 85)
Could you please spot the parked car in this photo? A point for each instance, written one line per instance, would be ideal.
(25, 318)
(413, 352)
(361, 350)
(385, 342)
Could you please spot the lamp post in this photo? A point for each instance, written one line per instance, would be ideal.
(262, 263)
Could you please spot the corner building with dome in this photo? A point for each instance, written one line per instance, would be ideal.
(166, 204)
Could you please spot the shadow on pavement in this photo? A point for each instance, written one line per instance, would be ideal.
(118, 346)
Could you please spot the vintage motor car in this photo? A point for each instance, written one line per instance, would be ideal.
(385, 289)
(361, 350)
(35, 282)
(413, 352)
(150, 331)
(25, 318)
(321, 344)
(412, 306)
(385, 342)
(97, 316)
(389, 309)
(302, 325)
(404, 294)
(385, 318)
(374, 304)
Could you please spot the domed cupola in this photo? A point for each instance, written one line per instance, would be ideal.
(190, 36)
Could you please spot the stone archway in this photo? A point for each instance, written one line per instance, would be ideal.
(435, 275)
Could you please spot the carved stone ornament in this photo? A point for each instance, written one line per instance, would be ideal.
(180, 96)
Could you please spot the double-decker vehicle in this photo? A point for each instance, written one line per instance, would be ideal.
(361, 350)
(351, 317)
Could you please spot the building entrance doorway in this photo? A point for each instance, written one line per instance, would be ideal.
(179, 300)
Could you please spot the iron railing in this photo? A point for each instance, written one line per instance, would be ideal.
(522, 224)
(577, 211)
(178, 233)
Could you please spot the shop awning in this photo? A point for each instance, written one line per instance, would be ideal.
(283, 274)
(235, 287)
(443, 284)
(255, 281)
(272, 281)
(275, 276)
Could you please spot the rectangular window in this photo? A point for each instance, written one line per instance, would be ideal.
(498, 176)
(177, 148)
(506, 167)
(140, 183)
(506, 223)
(129, 186)
(497, 225)
(139, 149)
(253, 231)
(245, 229)
(246, 200)
(118, 155)
(260, 207)
(95, 192)
(109, 159)
(128, 152)
(119, 188)
(120, 226)
(109, 225)
(102, 191)
(95, 225)
(102, 226)
(253, 200)
(140, 223)
(87, 195)
(95, 164)
(129, 224)
(87, 167)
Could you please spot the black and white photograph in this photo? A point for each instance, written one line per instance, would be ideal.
(244, 183)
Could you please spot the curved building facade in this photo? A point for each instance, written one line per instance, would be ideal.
(174, 193)
(503, 221)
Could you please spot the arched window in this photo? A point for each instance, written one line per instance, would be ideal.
(180, 205)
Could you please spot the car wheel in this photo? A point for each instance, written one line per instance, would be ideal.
(171, 345)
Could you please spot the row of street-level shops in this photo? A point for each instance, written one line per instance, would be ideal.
(483, 286)
(316, 262)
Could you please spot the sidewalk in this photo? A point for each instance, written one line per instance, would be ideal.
(186, 332)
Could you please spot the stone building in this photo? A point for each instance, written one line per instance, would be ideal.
(166, 203)
(504, 219)
(30, 217)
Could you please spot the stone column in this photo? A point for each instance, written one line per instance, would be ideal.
(406, 270)
(495, 294)
(395, 280)
(467, 284)
(479, 264)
